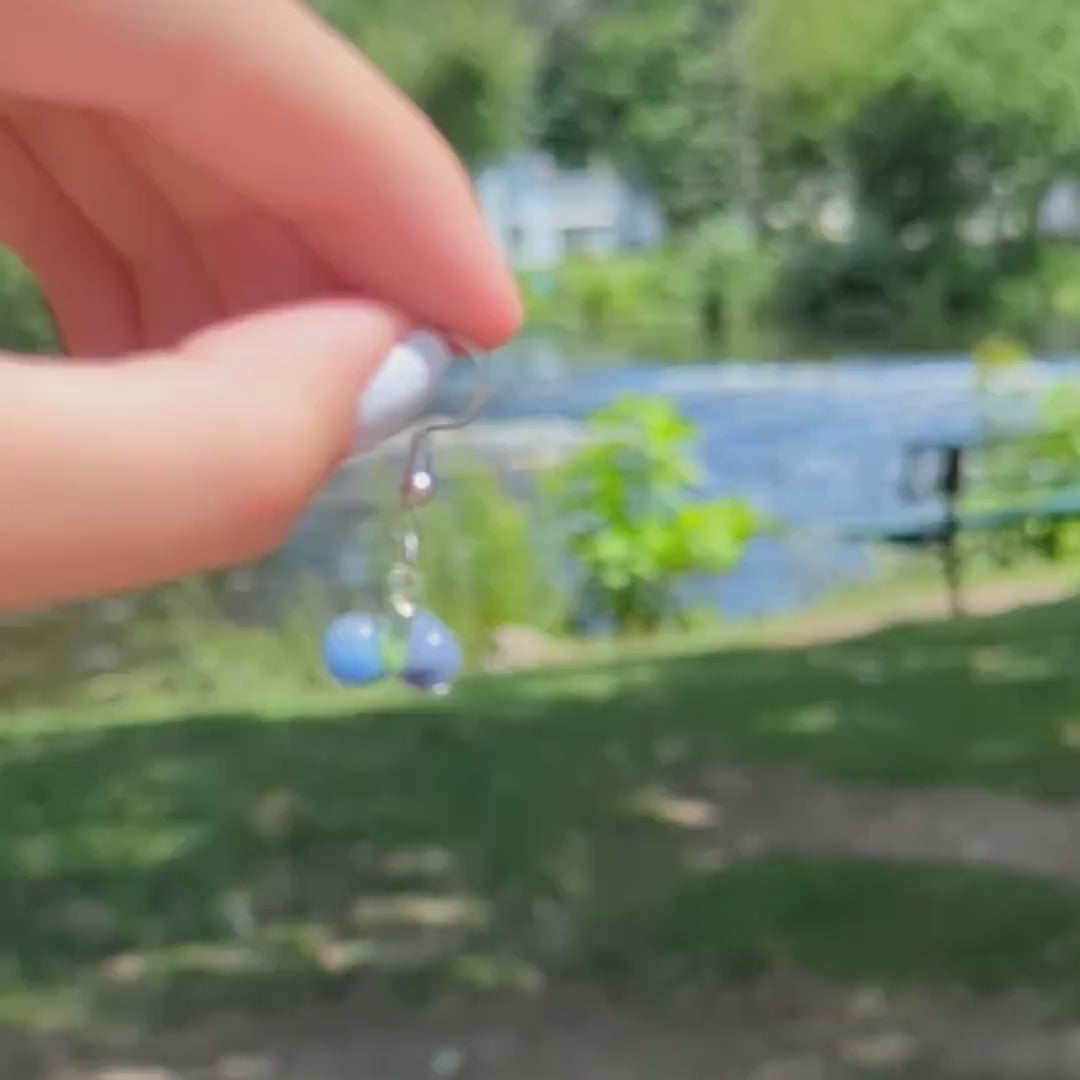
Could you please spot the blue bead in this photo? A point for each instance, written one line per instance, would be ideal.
(434, 656)
(352, 650)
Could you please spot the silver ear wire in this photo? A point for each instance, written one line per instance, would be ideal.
(417, 489)
(418, 483)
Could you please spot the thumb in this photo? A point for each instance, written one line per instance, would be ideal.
(117, 475)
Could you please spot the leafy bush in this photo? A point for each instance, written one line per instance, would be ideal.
(709, 292)
(635, 531)
(484, 562)
(1017, 469)
(482, 568)
(734, 278)
(25, 322)
(1046, 462)
(878, 288)
(613, 293)
(843, 289)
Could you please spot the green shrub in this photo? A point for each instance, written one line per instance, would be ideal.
(1022, 469)
(734, 280)
(485, 561)
(602, 295)
(851, 289)
(880, 291)
(25, 322)
(634, 529)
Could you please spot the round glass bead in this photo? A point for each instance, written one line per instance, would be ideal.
(352, 650)
(434, 658)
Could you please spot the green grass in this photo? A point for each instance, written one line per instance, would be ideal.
(858, 921)
(268, 857)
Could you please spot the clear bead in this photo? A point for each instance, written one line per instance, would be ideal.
(403, 586)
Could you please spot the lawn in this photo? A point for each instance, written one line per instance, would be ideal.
(532, 830)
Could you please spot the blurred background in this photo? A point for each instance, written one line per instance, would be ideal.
(765, 556)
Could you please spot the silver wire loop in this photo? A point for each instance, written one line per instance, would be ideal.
(418, 484)
(417, 489)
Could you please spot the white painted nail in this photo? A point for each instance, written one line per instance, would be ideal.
(400, 389)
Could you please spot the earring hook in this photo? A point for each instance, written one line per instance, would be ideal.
(418, 483)
(406, 640)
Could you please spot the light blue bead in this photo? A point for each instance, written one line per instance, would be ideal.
(434, 657)
(352, 650)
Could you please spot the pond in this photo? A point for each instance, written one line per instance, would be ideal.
(815, 444)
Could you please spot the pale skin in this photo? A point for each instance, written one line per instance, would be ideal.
(233, 217)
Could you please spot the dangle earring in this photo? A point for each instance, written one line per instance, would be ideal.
(405, 640)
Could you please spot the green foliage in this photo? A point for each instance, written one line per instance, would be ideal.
(928, 111)
(842, 289)
(925, 114)
(484, 564)
(921, 111)
(25, 322)
(1058, 285)
(635, 530)
(201, 649)
(166, 861)
(178, 640)
(1046, 462)
(970, 97)
(875, 289)
(735, 278)
(917, 169)
(645, 85)
(832, 56)
(1018, 469)
(903, 147)
(711, 293)
(471, 68)
(599, 295)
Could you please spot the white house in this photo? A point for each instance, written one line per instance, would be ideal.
(540, 213)
(1060, 213)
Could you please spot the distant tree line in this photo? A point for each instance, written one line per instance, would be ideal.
(920, 114)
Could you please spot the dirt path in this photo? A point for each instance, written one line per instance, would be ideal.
(985, 598)
(778, 1030)
(784, 810)
(788, 1028)
(522, 648)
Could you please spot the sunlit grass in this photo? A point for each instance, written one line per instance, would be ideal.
(165, 860)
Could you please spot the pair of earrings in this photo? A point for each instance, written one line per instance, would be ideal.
(405, 640)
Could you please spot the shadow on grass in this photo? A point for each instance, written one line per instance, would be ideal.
(232, 859)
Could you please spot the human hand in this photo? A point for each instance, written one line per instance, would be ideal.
(234, 219)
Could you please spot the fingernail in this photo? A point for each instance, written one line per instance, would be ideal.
(400, 389)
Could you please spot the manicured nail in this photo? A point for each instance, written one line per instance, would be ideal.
(400, 389)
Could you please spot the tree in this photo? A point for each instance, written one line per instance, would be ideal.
(646, 84)
(471, 68)
(994, 78)
(635, 528)
(929, 113)
(919, 165)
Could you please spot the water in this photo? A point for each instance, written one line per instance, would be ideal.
(815, 445)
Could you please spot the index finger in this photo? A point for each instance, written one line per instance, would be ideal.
(277, 105)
